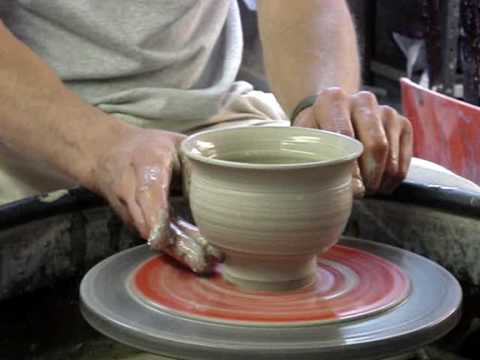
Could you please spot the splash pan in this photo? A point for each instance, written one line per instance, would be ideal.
(370, 300)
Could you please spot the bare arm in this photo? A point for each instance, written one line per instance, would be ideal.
(308, 46)
(310, 49)
(131, 167)
(41, 118)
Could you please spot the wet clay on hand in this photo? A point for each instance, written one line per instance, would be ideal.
(187, 246)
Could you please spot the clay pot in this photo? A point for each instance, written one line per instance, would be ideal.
(271, 198)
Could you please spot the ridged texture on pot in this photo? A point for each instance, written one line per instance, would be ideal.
(300, 211)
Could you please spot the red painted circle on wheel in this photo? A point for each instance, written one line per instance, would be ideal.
(350, 283)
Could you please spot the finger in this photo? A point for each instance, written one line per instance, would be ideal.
(357, 183)
(369, 130)
(153, 183)
(392, 124)
(122, 198)
(129, 190)
(332, 112)
(406, 148)
(120, 208)
(117, 197)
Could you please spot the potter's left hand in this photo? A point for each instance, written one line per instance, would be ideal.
(386, 136)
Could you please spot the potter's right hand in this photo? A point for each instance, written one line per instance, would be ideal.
(134, 176)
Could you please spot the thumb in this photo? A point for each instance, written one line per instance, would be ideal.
(152, 198)
(357, 183)
(160, 236)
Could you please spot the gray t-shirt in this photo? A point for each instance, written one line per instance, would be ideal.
(169, 64)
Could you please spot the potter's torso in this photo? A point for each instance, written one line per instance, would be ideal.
(161, 63)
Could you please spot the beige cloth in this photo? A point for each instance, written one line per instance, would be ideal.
(20, 178)
(170, 64)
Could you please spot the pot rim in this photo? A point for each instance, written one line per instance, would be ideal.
(186, 148)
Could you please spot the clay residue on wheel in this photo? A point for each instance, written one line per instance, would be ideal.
(52, 196)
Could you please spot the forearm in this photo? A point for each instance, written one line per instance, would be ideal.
(308, 45)
(40, 118)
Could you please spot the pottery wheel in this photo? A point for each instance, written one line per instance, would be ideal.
(370, 300)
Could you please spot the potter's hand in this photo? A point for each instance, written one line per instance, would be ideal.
(190, 248)
(386, 136)
(135, 177)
